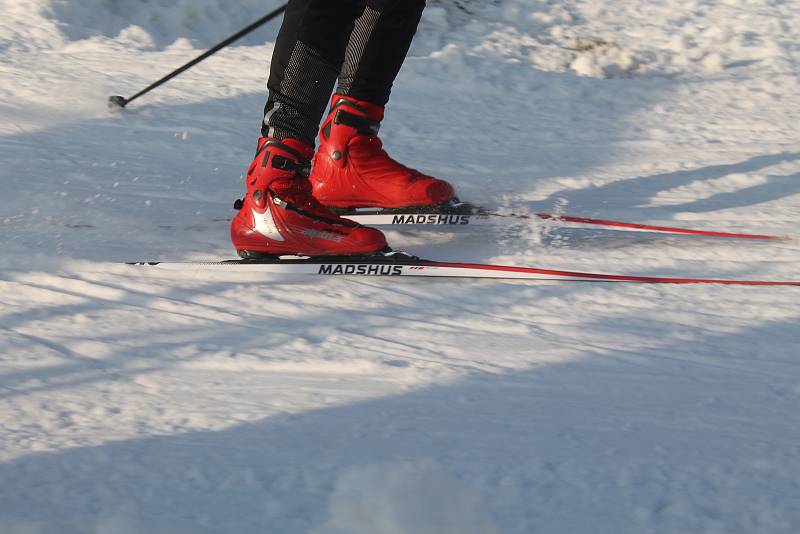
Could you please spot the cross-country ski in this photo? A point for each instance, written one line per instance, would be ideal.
(463, 214)
(406, 265)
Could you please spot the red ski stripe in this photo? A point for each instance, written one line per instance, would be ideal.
(667, 229)
(611, 277)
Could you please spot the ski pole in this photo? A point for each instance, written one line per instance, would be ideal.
(120, 101)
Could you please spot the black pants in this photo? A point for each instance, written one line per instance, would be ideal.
(361, 42)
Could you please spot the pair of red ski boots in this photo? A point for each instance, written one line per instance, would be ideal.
(286, 209)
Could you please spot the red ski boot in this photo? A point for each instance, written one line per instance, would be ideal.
(279, 215)
(351, 169)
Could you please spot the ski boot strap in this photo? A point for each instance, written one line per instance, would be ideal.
(363, 125)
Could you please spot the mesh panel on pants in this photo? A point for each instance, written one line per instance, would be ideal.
(362, 32)
(295, 110)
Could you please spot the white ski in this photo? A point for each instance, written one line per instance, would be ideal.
(428, 218)
(399, 264)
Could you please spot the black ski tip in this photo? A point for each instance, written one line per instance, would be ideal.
(117, 102)
(251, 255)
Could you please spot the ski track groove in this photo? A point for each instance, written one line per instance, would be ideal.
(143, 301)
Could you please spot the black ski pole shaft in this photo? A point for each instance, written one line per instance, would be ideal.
(121, 101)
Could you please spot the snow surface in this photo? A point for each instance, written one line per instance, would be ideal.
(139, 401)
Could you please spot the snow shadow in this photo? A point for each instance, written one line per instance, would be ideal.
(683, 436)
(174, 319)
(632, 196)
(131, 354)
(84, 368)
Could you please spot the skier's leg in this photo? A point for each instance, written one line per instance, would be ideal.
(305, 63)
(351, 169)
(377, 48)
(278, 214)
